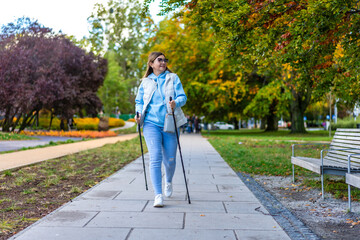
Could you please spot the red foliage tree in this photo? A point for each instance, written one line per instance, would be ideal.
(43, 70)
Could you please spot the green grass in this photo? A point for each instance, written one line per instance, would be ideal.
(132, 129)
(268, 153)
(13, 136)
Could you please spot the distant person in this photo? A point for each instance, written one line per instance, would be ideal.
(189, 125)
(70, 123)
(62, 124)
(153, 102)
(197, 124)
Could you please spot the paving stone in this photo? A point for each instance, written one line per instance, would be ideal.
(100, 194)
(105, 205)
(201, 188)
(180, 234)
(260, 235)
(233, 174)
(245, 208)
(208, 180)
(230, 221)
(67, 233)
(184, 206)
(228, 197)
(67, 219)
(137, 220)
(231, 188)
(114, 186)
(149, 195)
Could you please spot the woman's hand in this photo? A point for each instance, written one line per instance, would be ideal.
(172, 104)
(137, 118)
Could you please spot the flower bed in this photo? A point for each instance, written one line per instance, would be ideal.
(82, 134)
(80, 123)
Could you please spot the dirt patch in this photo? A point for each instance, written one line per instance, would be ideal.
(328, 218)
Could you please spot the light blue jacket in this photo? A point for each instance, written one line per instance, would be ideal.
(154, 94)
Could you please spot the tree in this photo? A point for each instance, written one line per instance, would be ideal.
(43, 70)
(118, 28)
(213, 88)
(298, 39)
(113, 93)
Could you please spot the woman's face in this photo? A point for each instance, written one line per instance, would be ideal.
(159, 64)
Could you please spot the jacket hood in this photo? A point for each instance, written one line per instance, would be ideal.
(163, 74)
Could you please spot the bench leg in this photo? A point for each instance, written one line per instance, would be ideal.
(322, 186)
(293, 173)
(349, 196)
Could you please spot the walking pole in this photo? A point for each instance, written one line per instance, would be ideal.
(142, 151)
(182, 162)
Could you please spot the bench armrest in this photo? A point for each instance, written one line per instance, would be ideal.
(332, 150)
(349, 163)
(293, 146)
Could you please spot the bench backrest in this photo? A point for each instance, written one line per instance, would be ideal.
(345, 138)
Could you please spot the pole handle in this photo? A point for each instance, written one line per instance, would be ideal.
(170, 106)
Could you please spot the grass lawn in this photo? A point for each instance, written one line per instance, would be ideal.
(132, 129)
(29, 193)
(13, 136)
(268, 153)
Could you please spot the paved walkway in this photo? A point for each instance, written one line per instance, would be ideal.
(43, 140)
(119, 207)
(23, 158)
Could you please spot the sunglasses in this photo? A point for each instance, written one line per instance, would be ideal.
(162, 60)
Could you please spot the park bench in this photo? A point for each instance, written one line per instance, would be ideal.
(335, 159)
(352, 177)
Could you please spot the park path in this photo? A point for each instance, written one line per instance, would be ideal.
(23, 158)
(27, 157)
(222, 207)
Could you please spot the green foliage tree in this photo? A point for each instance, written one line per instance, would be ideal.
(213, 88)
(298, 39)
(118, 28)
(113, 93)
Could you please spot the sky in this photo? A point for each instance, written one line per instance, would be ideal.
(69, 16)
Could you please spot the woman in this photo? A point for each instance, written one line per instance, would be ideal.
(153, 103)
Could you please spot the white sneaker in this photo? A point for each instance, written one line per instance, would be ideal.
(168, 189)
(158, 202)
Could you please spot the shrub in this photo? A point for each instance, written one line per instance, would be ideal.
(103, 124)
(115, 122)
(44, 123)
(86, 123)
(344, 123)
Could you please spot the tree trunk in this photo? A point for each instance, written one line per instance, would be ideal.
(51, 119)
(263, 124)
(5, 125)
(298, 106)
(272, 123)
(235, 122)
(26, 121)
(272, 119)
(17, 122)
